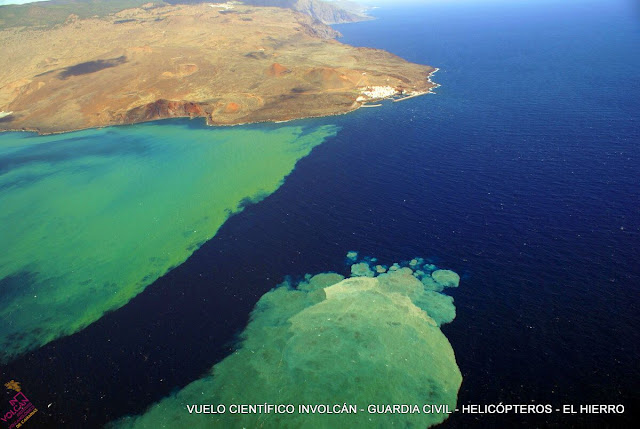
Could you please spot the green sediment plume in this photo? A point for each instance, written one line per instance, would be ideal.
(328, 341)
(88, 219)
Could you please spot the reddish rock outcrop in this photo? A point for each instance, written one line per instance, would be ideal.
(161, 109)
(232, 108)
(277, 70)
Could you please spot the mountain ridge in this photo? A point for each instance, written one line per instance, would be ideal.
(56, 12)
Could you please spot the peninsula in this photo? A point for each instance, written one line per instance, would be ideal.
(228, 63)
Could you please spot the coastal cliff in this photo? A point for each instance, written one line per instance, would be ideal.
(326, 12)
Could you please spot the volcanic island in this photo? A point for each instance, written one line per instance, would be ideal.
(230, 64)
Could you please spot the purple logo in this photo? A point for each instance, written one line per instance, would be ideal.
(20, 408)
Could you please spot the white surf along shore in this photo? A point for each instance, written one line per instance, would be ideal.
(378, 93)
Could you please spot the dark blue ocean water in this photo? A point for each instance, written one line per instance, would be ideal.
(522, 174)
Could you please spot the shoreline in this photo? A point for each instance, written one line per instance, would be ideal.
(203, 118)
(207, 120)
(356, 106)
(437, 85)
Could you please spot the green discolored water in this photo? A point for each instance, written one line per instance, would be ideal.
(368, 340)
(88, 219)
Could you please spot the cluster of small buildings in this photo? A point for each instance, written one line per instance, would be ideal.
(377, 93)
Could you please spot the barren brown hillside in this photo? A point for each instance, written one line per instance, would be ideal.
(230, 66)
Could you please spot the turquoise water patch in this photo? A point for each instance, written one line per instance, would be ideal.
(360, 342)
(88, 219)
